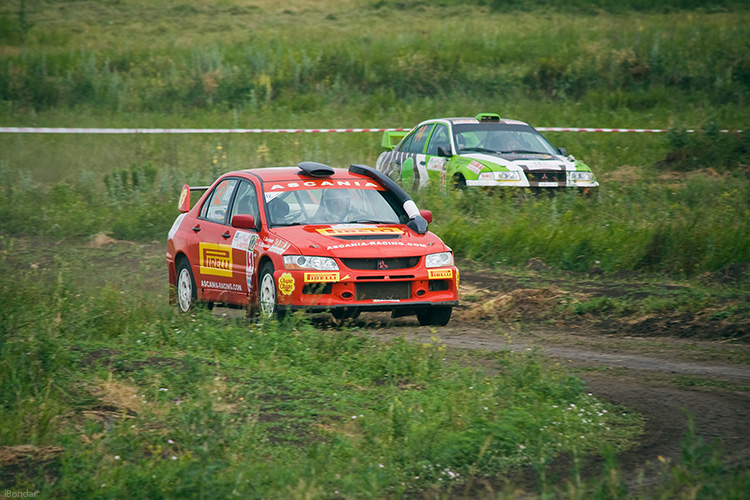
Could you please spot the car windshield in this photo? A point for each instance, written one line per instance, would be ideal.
(500, 138)
(294, 204)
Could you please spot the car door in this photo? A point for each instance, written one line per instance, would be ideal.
(214, 270)
(411, 162)
(244, 240)
(435, 164)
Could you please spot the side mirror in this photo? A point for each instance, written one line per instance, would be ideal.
(563, 151)
(444, 151)
(427, 215)
(243, 221)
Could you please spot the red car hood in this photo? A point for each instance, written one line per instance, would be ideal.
(358, 240)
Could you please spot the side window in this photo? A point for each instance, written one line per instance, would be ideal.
(215, 207)
(439, 138)
(246, 201)
(416, 141)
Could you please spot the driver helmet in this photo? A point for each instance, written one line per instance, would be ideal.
(337, 202)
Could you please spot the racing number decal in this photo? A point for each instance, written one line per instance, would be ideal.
(220, 192)
(216, 259)
(286, 284)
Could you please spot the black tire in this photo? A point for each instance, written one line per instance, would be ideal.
(268, 306)
(459, 182)
(187, 295)
(434, 316)
(345, 313)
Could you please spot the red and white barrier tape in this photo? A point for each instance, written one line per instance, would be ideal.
(65, 130)
(49, 130)
(637, 130)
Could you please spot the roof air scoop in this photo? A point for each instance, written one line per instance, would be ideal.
(315, 169)
(416, 222)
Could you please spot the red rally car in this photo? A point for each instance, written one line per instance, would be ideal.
(310, 237)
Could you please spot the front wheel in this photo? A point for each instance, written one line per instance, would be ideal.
(186, 291)
(269, 304)
(345, 313)
(434, 316)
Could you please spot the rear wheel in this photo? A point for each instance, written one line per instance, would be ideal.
(434, 316)
(186, 291)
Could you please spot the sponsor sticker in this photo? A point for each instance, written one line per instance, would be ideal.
(279, 247)
(322, 277)
(286, 284)
(435, 274)
(216, 259)
(244, 241)
(183, 196)
(377, 243)
(250, 270)
(348, 231)
(475, 166)
(437, 163)
(321, 184)
(233, 287)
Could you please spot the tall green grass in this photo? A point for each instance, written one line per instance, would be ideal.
(377, 63)
(681, 229)
(136, 398)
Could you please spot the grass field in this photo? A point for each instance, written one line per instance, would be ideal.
(110, 391)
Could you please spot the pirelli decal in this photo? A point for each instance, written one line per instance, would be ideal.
(436, 274)
(216, 259)
(350, 231)
(322, 277)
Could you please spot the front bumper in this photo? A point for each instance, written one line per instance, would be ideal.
(367, 290)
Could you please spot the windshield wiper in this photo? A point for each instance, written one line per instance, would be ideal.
(480, 150)
(370, 221)
(284, 224)
(523, 151)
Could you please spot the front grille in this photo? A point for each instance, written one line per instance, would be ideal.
(383, 291)
(381, 264)
(546, 176)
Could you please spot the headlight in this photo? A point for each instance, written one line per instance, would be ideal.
(507, 176)
(580, 176)
(305, 262)
(439, 259)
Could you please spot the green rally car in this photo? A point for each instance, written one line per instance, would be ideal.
(482, 151)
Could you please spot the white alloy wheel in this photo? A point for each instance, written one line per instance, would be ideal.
(185, 288)
(267, 293)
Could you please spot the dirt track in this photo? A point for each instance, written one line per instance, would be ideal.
(661, 377)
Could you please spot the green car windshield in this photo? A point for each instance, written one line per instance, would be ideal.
(500, 138)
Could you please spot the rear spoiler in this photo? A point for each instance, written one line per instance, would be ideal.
(184, 204)
(391, 138)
